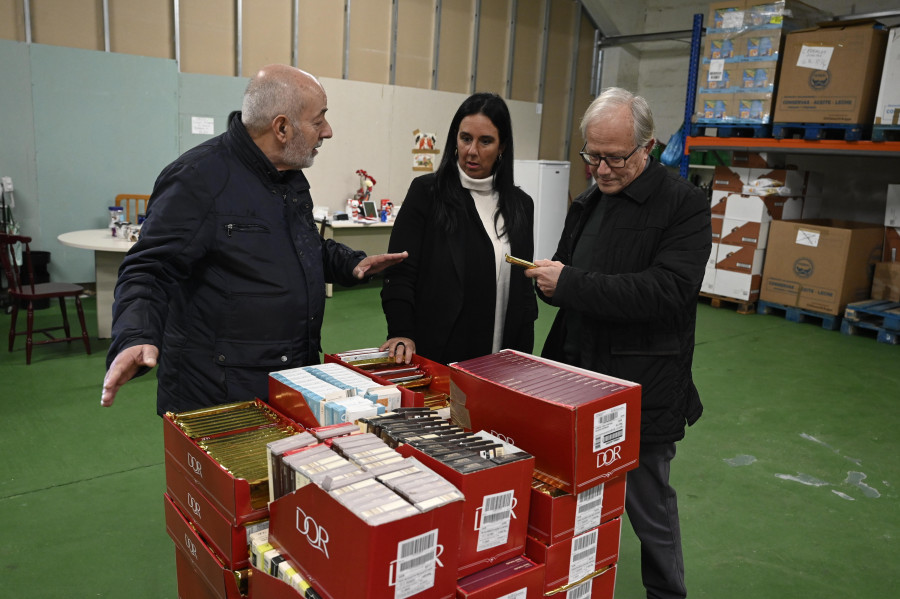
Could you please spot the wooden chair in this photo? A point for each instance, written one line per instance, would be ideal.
(21, 291)
(134, 204)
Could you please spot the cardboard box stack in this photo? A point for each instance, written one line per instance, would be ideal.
(886, 279)
(740, 58)
(820, 265)
(745, 201)
(583, 429)
(887, 107)
(831, 74)
(212, 502)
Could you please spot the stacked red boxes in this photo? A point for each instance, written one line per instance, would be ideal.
(210, 513)
(584, 430)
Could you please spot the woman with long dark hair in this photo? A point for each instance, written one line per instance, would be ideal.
(455, 297)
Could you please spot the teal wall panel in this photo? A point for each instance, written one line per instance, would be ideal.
(104, 124)
(206, 96)
(17, 136)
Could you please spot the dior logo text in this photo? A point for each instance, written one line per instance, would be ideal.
(609, 456)
(315, 535)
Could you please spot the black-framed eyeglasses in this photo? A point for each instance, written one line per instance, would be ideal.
(611, 161)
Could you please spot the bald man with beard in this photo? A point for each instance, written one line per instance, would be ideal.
(227, 281)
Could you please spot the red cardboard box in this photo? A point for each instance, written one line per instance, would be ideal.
(190, 583)
(513, 478)
(289, 401)
(552, 519)
(341, 556)
(603, 585)
(237, 499)
(228, 541)
(264, 586)
(199, 566)
(582, 427)
(558, 557)
(518, 577)
(439, 373)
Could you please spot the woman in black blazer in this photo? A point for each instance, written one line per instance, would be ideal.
(455, 297)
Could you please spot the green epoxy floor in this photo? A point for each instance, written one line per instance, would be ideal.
(789, 486)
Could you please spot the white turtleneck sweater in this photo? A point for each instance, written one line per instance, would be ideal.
(486, 198)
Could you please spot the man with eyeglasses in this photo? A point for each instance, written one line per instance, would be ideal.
(625, 277)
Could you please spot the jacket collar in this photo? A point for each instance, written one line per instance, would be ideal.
(638, 190)
(258, 163)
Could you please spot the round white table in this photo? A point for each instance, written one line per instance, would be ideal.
(109, 252)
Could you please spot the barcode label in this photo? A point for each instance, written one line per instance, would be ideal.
(589, 509)
(520, 594)
(583, 556)
(582, 591)
(496, 511)
(416, 564)
(609, 427)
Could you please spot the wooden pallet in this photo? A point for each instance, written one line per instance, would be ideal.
(886, 133)
(881, 316)
(741, 306)
(829, 322)
(817, 131)
(731, 130)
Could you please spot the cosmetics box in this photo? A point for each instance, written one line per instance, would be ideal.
(582, 427)
(495, 513)
(238, 500)
(578, 557)
(515, 578)
(342, 556)
(553, 518)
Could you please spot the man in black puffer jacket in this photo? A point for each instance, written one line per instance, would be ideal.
(227, 281)
(626, 276)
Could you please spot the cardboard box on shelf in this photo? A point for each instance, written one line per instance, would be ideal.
(741, 233)
(595, 549)
(553, 518)
(718, 77)
(730, 178)
(891, 245)
(740, 159)
(753, 107)
(582, 427)
(715, 108)
(727, 14)
(482, 544)
(831, 74)
(740, 258)
(717, 205)
(820, 264)
(709, 280)
(714, 251)
(342, 556)
(762, 209)
(886, 281)
(516, 577)
(737, 285)
(887, 107)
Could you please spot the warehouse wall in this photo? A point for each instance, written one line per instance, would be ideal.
(547, 66)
